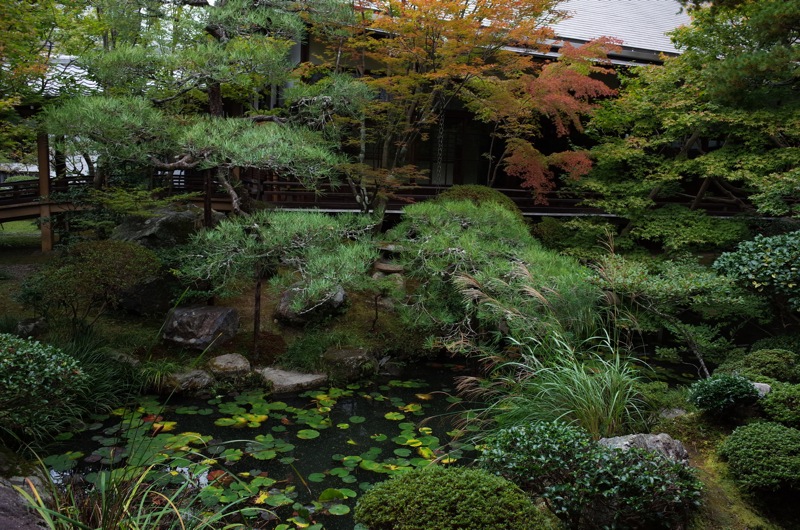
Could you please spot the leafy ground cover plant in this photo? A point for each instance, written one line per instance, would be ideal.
(590, 486)
(37, 387)
(764, 458)
(449, 498)
(722, 393)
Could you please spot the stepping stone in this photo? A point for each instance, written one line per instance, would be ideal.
(284, 381)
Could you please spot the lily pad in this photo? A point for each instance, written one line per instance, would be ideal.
(394, 416)
(339, 509)
(308, 434)
(316, 477)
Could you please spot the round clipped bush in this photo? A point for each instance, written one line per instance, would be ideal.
(480, 195)
(778, 364)
(449, 498)
(721, 393)
(36, 386)
(764, 457)
(782, 404)
(591, 486)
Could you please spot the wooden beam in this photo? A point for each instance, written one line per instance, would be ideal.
(46, 227)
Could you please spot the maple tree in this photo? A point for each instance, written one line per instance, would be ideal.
(716, 126)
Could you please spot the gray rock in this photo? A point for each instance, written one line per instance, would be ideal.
(201, 327)
(659, 443)
(153, 297)
(190, 381)
(283, 381)
(32, 327)
(762, 388)
(332, 305)
(229, 365)
(164, 228)
(14, 511)
(349, 365)
(673, 413)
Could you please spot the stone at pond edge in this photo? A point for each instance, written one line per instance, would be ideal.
(190, 381)
(229, 365)
(285, 314)
(660, 443)
(283, 381)
(200, 327)
(349, 365)
(387, 267)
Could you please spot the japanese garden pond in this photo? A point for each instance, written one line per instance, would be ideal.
(293, 460)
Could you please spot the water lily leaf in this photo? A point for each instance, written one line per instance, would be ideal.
(237, 421)
(394, 416)
(164, 426)
(287, 460)
(351, 461)
(64, 436)
(424, 397)
(406, 426)
(412, 407)
(379, 437)
(232, 455)
(331, 494)
(264, 455)
(278, 428)
(352, 442)
(349, 479)
(278, 500)
(63, 462)
(357, 419)
(339, 509)
(316, 477)
(339, 472)
(402, 452)
(307, 434)
(343, 425)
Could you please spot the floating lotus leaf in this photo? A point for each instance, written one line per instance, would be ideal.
(307, 434)
(338, 509)
(331, 494)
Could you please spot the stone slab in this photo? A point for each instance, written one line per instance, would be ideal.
(284, 381)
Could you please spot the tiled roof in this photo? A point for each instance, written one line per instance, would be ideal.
(641, 24)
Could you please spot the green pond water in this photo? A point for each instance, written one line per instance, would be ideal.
(299, 460)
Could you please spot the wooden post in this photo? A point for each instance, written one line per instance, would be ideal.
(46, 226)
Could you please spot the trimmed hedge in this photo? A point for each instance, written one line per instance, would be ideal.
(764, 457)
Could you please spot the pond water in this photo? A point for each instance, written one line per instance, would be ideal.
(304, 457)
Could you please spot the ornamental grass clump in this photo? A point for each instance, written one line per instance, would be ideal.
(449, 498)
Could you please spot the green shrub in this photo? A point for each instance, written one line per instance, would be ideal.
(764, 457)
(767, 264)
(90, 278)
(448, 498)
(789, 342)
(480, 195)
(37, 386)
(782, 404)
(778, 364)
(721, 393)
(591, 486)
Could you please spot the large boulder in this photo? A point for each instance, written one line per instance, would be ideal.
(349, 364)
(154, 297)
(201, 327)
(286, 314)
(164, 228)
(659, 443)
